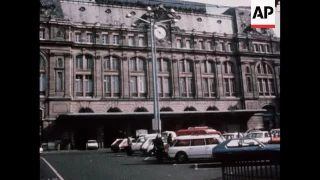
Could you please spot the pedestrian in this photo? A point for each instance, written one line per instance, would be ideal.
(169, 139)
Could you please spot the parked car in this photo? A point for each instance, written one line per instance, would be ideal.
(232, 135)
(275, 137)
(165, 134)
(263, 136)
(92, 144)
(197, 130)
(193, 147)
(121, 145)
(242, 145)
(136, 146)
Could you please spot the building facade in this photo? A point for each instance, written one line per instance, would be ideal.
(96, 71)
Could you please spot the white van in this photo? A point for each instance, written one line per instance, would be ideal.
(193, 147)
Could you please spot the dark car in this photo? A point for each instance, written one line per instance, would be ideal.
(243, 147)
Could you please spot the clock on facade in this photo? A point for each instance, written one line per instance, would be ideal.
(160, 33)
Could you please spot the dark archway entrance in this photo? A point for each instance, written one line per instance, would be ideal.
(269, 118)
(113, 110)
(212, 108)
(84, 131)
(141, 109)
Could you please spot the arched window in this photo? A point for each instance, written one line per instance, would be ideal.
(186, 79)
(42, 76)
(265, 79)
(164, 81)
(111, 81)
(208, 78)
(229, 79)
(138, 86)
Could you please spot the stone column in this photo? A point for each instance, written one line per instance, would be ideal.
(198, 80)
(67, 75)
(51, 75)
(220, 88)
(175, 78)
(125, 77)
(254, 80)
(98, 77)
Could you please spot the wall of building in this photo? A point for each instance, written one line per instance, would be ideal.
(59, 43)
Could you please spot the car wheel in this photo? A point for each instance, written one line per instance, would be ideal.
(151, 153)
(181, 157)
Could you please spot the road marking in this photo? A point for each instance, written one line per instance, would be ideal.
(146, 158)
(214, 163)
(205, 169)
(55, 171)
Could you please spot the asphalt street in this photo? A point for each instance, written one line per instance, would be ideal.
(106, 165)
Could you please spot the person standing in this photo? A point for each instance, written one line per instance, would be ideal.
(169, 139)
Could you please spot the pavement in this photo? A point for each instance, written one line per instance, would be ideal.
(103, 164)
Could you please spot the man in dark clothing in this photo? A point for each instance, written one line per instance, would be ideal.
(169, 140)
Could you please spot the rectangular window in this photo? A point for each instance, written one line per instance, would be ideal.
(107, 65)
(133, 65)
(160, 86)
(183, 87)
(181, 66)
(79, 85)
(261, 48)
(190, 86)
(266, 84)
(141, 65)
(59, 63)
(89, 38)
(188, 66)
(223, 48)
(141, 41)
(212, 86)
(133, 86)
(42, 82)
(115, 64)
(201, 45)
(166, 86)
(260, 86)
(78, 37)
(271, 85)
(249, 85)
(229, 47)
(105, 39)
(115, 39)
(89, 85)
(188, 44)
(59, 81)
(267, 48)
(142, 84)
(131, 41)
(107, 85)
(203, 67)
(116, 85)
(227, 88)
(233, 87)
(166, 66)
(198, 142)
(89, 62)
(179, 44)
(79, 62)
(41, 34)
(205, 88)
(209, 45)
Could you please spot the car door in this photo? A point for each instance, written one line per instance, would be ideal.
(136, 146)
(210, 144)
(197, 148)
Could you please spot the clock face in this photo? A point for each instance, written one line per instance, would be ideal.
(160, 33)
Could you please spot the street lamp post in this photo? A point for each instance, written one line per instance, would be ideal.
(156, 16)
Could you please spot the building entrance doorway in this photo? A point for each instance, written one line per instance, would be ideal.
(82, 135)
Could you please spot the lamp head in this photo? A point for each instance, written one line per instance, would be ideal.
(172, 10)
(149, 8)
(128, 15)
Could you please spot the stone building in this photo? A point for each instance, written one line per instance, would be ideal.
(96, 70)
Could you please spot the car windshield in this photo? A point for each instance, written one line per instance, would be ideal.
(92, 141)
(256, 135)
